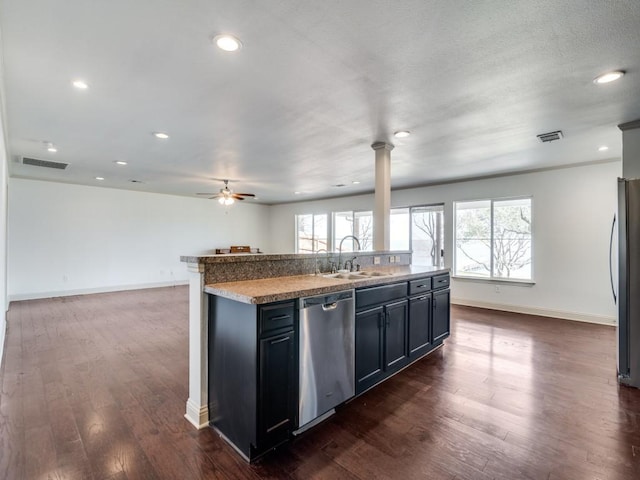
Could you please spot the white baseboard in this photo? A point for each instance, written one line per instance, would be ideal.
(543, 312)
(197, 415)
(85, 291)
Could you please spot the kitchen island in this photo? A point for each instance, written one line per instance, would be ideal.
(250, 338)
(255, 342)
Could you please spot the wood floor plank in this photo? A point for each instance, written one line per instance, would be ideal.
(94, 387)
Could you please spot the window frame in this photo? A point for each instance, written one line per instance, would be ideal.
(334, 246)
(411, 208)
(491, 278)
(313, 230)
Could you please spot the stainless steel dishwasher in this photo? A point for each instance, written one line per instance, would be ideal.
(327, 353)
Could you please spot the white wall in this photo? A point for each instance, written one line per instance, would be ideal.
(3, 231)
(572, 214)
(67, 239)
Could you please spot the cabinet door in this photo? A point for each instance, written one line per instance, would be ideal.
(419, 325)
(396, 319)
(369, 338)
(277, 402)
(440, 315)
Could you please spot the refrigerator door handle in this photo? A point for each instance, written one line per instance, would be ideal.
(613, 291)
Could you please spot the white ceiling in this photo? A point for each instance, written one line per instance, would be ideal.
(315, 84)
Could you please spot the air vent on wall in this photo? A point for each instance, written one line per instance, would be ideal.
(551, 136)
(36, 162)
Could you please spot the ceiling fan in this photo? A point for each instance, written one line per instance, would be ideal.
(226, 196)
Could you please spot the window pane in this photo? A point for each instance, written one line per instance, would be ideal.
(427, 235)
(320, 225)
(359, 224)
(399, 225)
(363, 229)
(512, 238)
(342, 226)
(304, 227)
(473, 238)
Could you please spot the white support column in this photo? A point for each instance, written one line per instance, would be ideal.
(197, 404)
(382, 205)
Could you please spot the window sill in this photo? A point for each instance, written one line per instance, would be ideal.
(503, 281)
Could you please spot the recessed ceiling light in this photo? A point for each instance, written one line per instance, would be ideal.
(228, 43)
(120, 162)
(51, 148)
(356, 182)
(100, 178)
(402, 134)
(608, 77)
(603, 148)
(161, 135)
(297, 193)
(80, 84)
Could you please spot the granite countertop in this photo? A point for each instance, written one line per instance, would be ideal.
(262, 257)
(268, 290)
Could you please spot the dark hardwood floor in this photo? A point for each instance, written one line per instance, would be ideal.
(94, 387)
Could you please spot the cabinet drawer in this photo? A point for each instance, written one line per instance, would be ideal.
(366, 297)
(420, 286)
(274, 317)
(440, 281)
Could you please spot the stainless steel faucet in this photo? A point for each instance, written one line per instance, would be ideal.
(350, 262)
(317, 270)
(340, 250)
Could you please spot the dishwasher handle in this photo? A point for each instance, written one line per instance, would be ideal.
(329, 306)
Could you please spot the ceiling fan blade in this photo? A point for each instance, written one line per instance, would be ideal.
(237, 197)
(206, 193)
(245, 194)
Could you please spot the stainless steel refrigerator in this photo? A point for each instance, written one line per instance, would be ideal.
(628, 297)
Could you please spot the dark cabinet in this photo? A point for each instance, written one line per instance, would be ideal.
(253, 367)
(396, 318)
(419, 325)
(369, 348)
(381, 333)
(441, 316)
(277, 399)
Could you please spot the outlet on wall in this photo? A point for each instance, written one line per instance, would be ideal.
(376, 260)
(497, 288)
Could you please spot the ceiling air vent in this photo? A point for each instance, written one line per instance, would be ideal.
(551, 136)
(36, 162)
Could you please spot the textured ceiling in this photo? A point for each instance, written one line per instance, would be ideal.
(315, 84)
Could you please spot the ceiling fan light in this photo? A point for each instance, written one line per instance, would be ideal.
(221, 200)
(229, 201)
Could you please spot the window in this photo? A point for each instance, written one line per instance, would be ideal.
(427, 235)
(311, 233)
(421, 230)
(358, 224)
(400, 229)
(493, 239)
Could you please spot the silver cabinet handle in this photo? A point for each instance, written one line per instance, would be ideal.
(280, 340)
